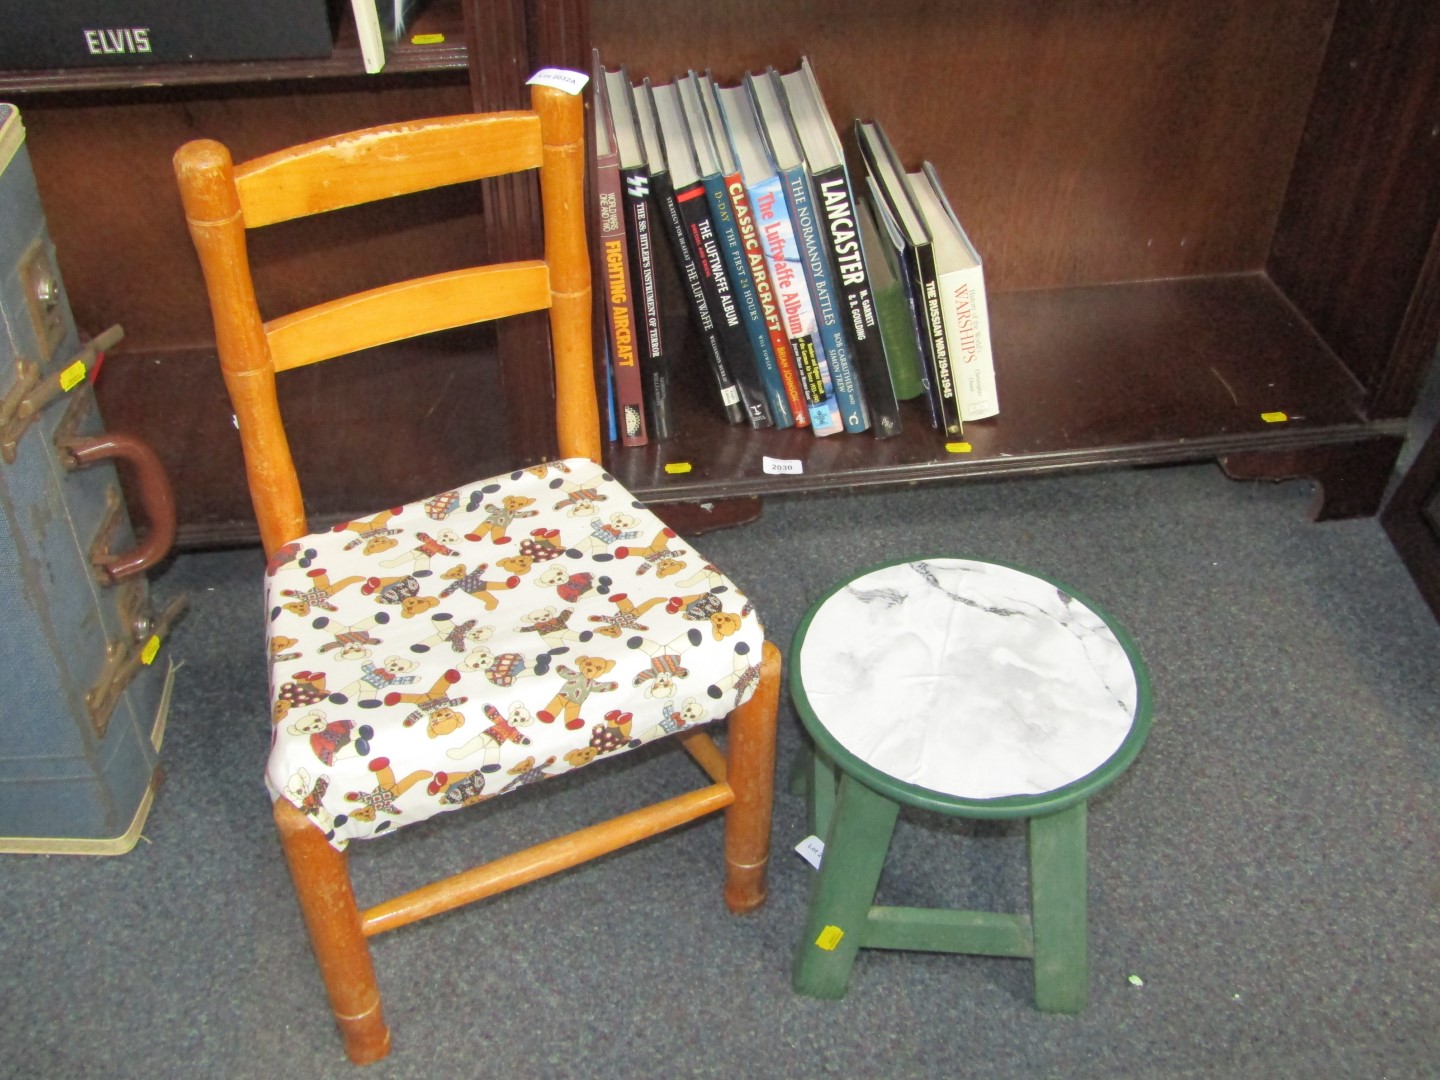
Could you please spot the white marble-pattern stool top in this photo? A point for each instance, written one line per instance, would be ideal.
(968, 678)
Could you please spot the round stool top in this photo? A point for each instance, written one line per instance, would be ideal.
(970, 686)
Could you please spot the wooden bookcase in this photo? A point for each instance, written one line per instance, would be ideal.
(1192, 217)
(1412, 519)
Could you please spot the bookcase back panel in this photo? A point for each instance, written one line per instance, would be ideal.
(1081, 143)
(424, 415)
(1360, 221)
(128, 259)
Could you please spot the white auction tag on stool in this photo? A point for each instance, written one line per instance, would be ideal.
(812, 850)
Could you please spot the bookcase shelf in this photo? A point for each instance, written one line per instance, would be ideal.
(1189, 224)
(1191, 216)
(1135, 373)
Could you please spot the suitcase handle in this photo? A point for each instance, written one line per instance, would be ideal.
(155, 495)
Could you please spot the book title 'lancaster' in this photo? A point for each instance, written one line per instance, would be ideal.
(845, 241)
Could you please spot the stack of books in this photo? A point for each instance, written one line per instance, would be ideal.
(818, 304)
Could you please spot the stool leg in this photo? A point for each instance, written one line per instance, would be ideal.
(1058, 910)
(821, 793)
(799, 780)
(812, 778)
(840, 898)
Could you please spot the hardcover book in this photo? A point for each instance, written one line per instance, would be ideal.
(687, 167)
(777, 127)
(782, 257)
(893, 186)
(721, 175)
(668, 200)
(655, 359)
(370, 35)
(885, 253)
(838, 206)
(640, 238)
(961, 278)
(616, 266)
(766, 292)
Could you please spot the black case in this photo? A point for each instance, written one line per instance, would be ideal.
(87, 33)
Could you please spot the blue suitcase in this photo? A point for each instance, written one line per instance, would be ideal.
(87, 683)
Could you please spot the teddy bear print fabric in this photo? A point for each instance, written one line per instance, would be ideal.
(439, 654)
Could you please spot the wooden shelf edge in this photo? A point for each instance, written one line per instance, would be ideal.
(210, 535)
(957, 468)
(1128, 373)
(343, 63)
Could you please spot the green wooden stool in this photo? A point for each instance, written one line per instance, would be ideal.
(968, 688)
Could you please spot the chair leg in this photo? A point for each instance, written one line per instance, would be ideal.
(322, 884)
(750, 770)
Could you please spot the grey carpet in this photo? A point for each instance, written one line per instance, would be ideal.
(1266, 870)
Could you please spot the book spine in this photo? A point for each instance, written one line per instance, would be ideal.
(897, 329)
(915, 309)
(932, 314)
(792, 293)
(785, 366)
(892, 298)
(654, 364)
(852, 279)
(615, 260)
(717, 190)
(667, 200)
(872, 145)
(967, 333)
(367, 29)
(612, 427)
(705, 244)
(850, 401)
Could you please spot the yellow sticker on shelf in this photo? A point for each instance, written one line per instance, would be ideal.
(829, 938)
(958, 447)
(427, 39)
(72, 376)
(677, 467)
(1274, 417)
(147, 654)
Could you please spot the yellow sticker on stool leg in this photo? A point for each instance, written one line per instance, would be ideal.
(147, 654)
(829, 938)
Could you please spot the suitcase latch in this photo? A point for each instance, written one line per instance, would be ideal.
(30, 394)
(41, 281)
(125, 658)
(27, 374)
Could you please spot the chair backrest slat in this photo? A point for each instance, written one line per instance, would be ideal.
(382, 162)
(222, 200)
(407, 309)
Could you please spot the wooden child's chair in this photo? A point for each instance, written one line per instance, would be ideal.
(436, 655)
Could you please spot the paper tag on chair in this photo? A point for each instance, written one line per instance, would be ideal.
(572, 82)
